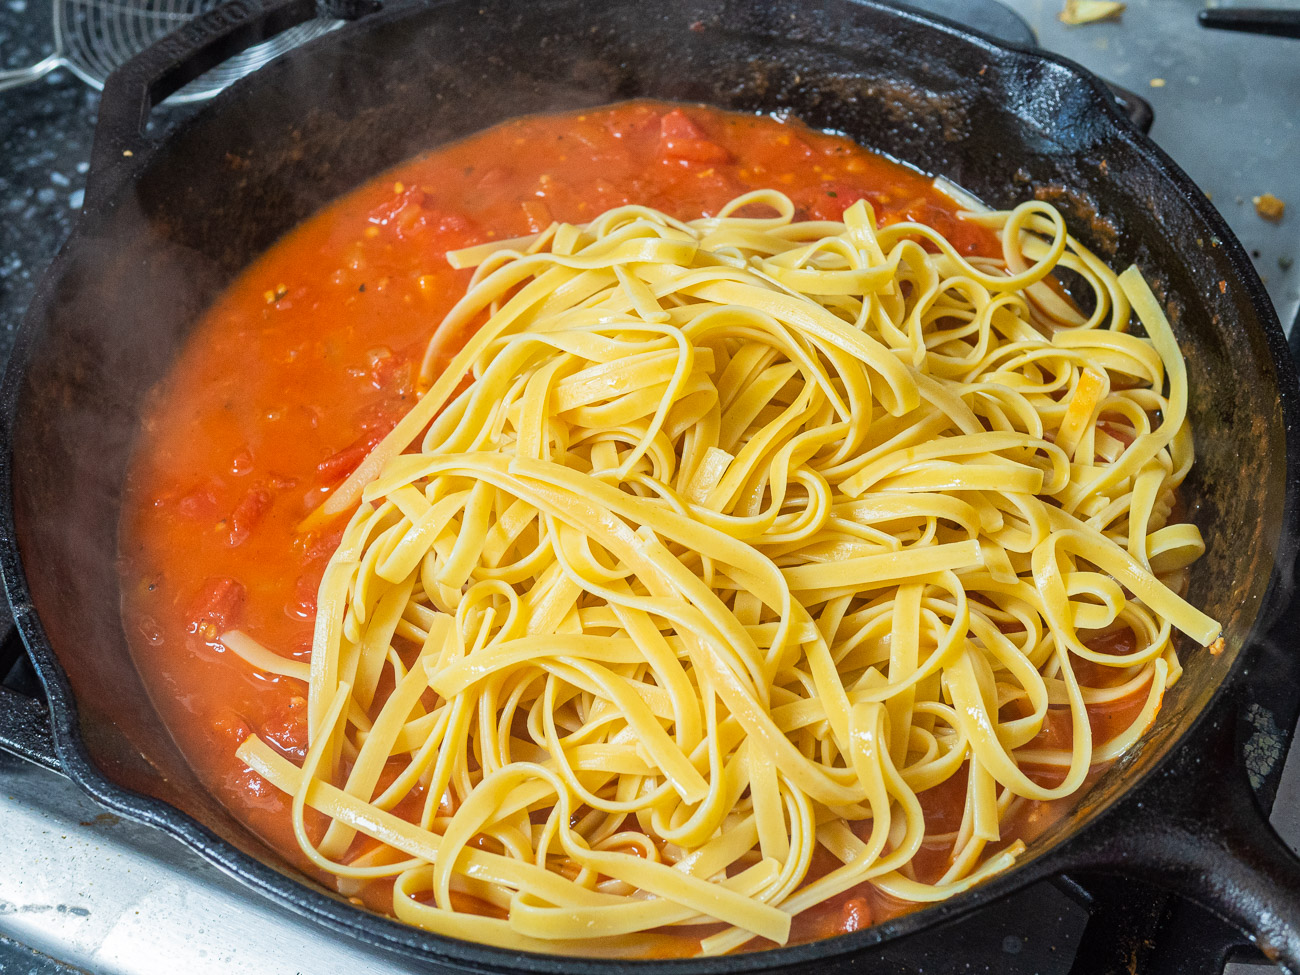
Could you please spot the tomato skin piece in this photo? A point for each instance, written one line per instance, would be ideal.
(216, 608)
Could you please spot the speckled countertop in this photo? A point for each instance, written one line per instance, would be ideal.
(1227, 109)
(45, 135)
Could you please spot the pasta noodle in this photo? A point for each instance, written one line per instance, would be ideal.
(719, 542)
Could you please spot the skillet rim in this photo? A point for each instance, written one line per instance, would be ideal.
(387, 934)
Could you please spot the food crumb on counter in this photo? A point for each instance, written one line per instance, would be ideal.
(1269, 207)
(1078, 12)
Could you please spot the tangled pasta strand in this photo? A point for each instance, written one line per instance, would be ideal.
(743, 533)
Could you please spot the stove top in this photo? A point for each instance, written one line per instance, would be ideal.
(85, 891)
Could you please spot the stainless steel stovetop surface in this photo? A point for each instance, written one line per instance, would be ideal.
(84, 890)
(1227, 109)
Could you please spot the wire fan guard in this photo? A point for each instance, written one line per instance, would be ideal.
(98, 36)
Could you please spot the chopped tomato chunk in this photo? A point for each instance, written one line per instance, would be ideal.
(201, 503)
(285, 729)
(855, 915)
(321, 546)
(403, 207)
(338, 466)
(248, 513)
(389, 370)
(695, 150)
(830, 200)
(381, 416)
(683, 140)
(303, 605)
(538, 215)
(232, 728)
(678, 125)
(216, 608)
(411, 214)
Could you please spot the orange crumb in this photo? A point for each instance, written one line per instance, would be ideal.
(1090, 11)
(1269, 207)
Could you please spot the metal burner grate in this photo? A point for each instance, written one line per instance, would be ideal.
(94, 37)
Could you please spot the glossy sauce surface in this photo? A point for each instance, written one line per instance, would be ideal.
(310, 357)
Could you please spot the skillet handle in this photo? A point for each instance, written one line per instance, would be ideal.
(1196, 827)
(131, 91)
(1271, 23)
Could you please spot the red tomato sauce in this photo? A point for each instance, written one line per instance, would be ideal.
(310, 357)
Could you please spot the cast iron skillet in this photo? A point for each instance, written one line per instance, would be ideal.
(170, 220)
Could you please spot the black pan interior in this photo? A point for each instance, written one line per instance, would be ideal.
(1006, 125)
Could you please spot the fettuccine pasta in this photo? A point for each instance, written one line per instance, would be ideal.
(716, 544)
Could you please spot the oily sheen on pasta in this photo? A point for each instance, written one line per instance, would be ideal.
(719, 542)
